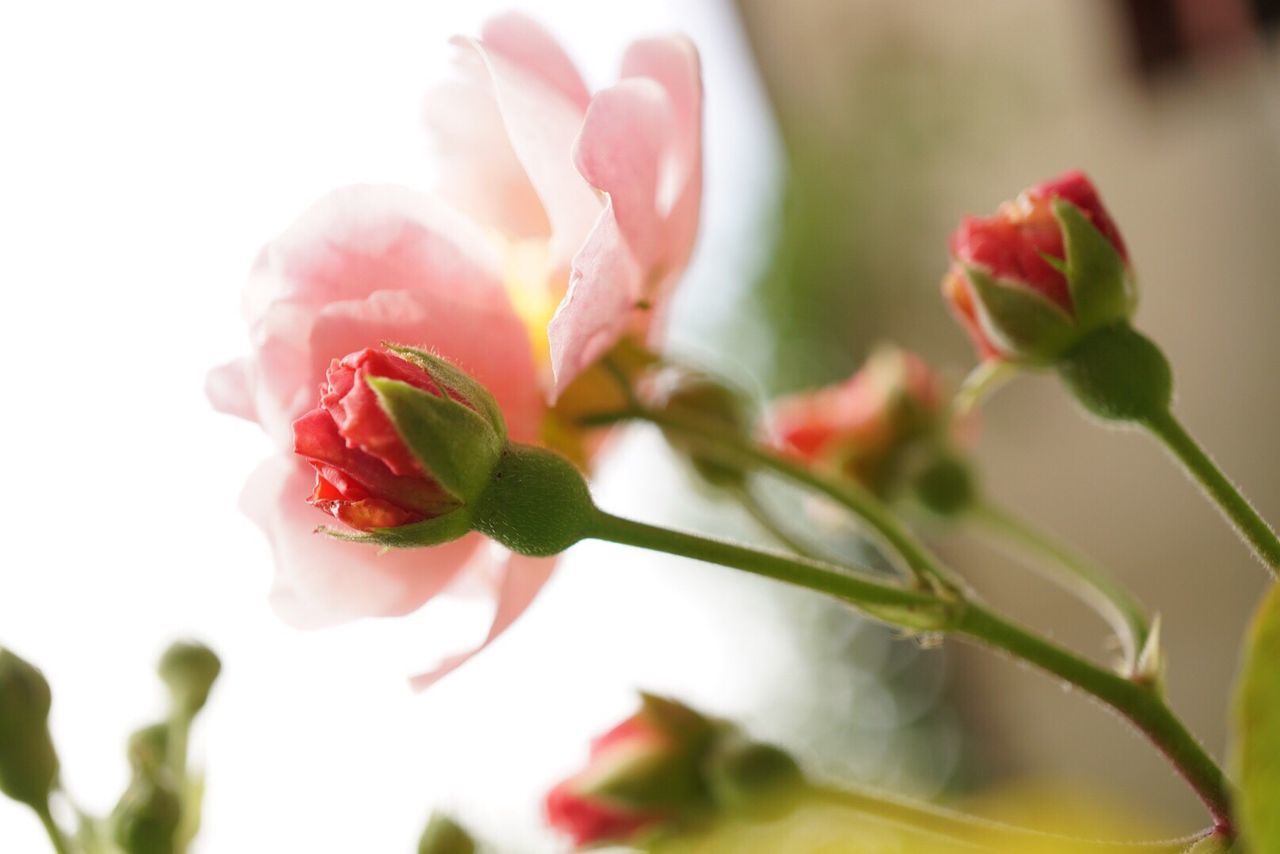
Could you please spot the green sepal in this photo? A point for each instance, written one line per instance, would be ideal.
(456, 446)
(1257, 725)
(430, 532)
(1102, 289)
(750, 776)
(450, 378)
(1024, 324)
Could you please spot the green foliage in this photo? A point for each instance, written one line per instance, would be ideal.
(537, 503)
(1119, 374)
(1257, 719)
(455, 444)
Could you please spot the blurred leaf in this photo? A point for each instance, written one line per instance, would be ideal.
(1258, 728)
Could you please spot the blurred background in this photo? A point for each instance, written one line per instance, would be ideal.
(152, 148)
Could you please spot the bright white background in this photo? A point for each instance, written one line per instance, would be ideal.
(149, 149)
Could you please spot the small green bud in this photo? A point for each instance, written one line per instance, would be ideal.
(443, 835)
(146, 819)
(751, 777)
(1119, 374)
(693, 396)
(945, 485)
(189, 669)
(149, 749)
(28, 761)
(537, 503)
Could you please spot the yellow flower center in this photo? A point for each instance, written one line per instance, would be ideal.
(528, 277)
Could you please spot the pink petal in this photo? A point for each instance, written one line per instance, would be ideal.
(477, 330)
(541, 122)
(673, 62)
(367, 238)
(621, 151)
(228, 389)
(520, 580)
(479, 172)
(600, 304)
(525, 42)
(321, 581)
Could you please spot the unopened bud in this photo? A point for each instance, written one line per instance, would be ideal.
(146, 819)
(189, 669)
(149, 749)
(443, 835)
(692, 396)
(751, 777)
(28, 761)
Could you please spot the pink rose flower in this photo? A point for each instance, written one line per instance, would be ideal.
(560, 224)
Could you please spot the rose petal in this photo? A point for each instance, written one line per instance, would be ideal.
(599, 306)
(527, 43)
(520, 580)
(541, 122)
(228, 389)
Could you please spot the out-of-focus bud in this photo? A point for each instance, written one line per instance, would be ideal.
(642, 776)
(146, 819)
(871, 427)
(148, 749)
(401, 440)
(693, 396)
(28, 762)
(443, 835)
(665, 769)
(750, 776)
(1042, 273)
(189, 669)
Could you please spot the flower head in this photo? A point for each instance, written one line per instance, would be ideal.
(561, 221)
(1045, 269)
(859, 427)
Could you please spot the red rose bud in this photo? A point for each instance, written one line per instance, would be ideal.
(644, 775)
(861, 427)
(399, 438)
(1042, 272)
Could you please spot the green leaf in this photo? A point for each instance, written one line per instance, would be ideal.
(455, 445)
(1102, 290)
(1257, 719)
(1021, 321)
(431, 532)
(449, 376)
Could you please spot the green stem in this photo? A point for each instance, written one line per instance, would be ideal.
(55, 834)
(1137, 703)
(735, 451)
(970, 830)
(852, 587)
(1071, 571)
(1239, 512)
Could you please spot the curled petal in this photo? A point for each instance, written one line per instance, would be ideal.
(600, 305)
(322, 581)
(525, 42)
(519, 580)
